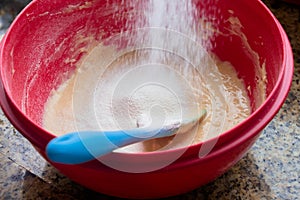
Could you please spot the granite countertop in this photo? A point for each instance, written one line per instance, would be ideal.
(270, 170)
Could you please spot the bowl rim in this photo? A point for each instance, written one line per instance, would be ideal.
(286, 74)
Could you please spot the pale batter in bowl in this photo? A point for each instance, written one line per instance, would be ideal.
(133, 89)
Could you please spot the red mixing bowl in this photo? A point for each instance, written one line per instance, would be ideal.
(32, 61)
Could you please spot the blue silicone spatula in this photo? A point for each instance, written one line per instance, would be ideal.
(84, 146)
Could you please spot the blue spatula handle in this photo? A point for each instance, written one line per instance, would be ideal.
(79, 147)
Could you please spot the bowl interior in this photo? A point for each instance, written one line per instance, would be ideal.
(46, 43)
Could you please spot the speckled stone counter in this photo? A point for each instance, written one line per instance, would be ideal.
(271, 169)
